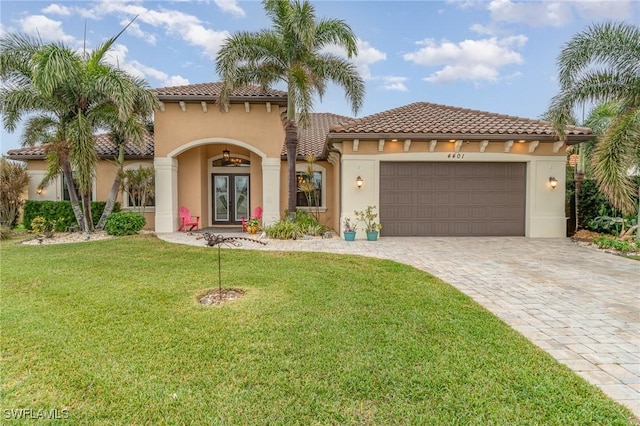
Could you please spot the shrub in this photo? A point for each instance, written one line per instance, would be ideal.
(304, 223)
(607, 242)
(13, 182)
(61, 212)
(124, 223)
(284, 230)
(5, 232)
(42, 226)
(612, 225)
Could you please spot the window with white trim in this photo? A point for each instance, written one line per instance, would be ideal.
(138, 187)
(311, 188)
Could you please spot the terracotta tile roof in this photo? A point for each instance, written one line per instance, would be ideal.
(313, 139)
(212, 91)
(104, 148)
(423, 118)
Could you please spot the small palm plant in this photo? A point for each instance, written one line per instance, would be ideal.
(368, 217)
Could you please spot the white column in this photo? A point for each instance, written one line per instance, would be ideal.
(354, 198)
(166, 194)
(545, 216)
(270, 190)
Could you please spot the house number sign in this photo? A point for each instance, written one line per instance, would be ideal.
(455, 155)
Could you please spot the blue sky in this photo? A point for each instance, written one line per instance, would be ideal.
(496, 56)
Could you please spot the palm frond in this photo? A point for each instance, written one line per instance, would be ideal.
(335, 31)
(615, 155)
(614, 45)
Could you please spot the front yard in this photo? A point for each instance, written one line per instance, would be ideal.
(111, 332)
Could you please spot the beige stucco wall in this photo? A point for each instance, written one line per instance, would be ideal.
(545, 207)
(196, 136)
(329, 214)
(257, 128)
(104, 175)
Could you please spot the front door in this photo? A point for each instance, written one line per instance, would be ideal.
(230, 198)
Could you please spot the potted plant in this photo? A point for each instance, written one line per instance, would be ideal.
(349, 230)
(253, 225)
(368, 217)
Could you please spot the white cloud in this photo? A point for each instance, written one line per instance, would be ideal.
(367, 55)
(474, 60)
(230, 6)
(117, 56)
(394, 83)
(555, 13)
(135, 30)
(603, 10)
(531, 13)
(45, 28)
(173, 22)
(56, 9)
(489, 29)
(465, 4)
(512, 77)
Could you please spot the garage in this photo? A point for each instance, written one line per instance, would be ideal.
(452, 199)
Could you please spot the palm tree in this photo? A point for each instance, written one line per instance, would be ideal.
(70, 95)
(291, 52)
(602, 64)
(122, 134)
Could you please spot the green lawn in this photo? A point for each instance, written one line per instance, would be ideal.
(112, 332)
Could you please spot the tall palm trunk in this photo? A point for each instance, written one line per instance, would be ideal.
(115, 188)
(86, 206)
(291, 142)
(73, 195)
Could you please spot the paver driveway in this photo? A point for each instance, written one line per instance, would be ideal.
(580, 305)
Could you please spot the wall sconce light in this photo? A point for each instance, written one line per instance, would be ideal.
(359, 182)
(40, 190)
(553, 182)
(225, 155)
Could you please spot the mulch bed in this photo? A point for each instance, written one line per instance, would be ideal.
(585, 235)
(216, 297)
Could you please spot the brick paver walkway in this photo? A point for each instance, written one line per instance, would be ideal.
(580, 305)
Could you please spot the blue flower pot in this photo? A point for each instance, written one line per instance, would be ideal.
(349, 236)
(372, 235)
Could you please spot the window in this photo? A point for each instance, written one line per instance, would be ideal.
(65, 190)
(134, 198)
(309, 192)
(138, 187)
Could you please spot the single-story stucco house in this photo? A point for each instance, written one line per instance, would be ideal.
(431, 170)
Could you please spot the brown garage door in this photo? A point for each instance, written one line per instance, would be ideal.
(452, 199)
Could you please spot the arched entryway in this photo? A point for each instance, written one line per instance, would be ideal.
(189, 176)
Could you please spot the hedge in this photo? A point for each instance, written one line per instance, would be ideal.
(124, 223)
(61, 212)
(591, 203)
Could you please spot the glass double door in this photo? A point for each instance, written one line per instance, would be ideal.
(230, 198)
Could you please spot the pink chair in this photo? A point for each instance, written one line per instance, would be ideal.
(256, 213)
(186, 219)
